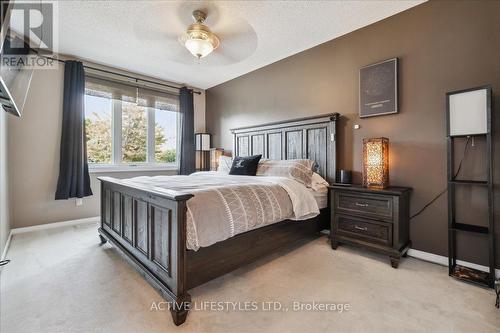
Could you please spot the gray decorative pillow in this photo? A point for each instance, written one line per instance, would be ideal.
(299, 170)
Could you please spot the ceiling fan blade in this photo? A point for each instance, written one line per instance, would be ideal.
(168, 25)
(222, 57)
(153, 35)
(236, 47)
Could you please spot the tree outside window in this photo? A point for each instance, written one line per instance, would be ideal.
(134, 132)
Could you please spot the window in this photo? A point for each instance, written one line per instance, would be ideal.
(129, 126)
(98, 112)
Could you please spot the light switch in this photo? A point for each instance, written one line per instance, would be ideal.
(356, 126)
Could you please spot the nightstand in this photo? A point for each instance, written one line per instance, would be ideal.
(375, 219)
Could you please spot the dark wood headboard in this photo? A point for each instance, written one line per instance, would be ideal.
(312, 137)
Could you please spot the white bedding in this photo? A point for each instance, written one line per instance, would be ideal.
(225, 205)
(321, 197)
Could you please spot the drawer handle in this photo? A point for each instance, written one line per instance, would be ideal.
(361, 205)
(361, 228)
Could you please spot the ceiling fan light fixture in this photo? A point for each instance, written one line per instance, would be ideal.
(199, 40)
(199, 47)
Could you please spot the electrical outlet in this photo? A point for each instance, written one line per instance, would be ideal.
(356, 126)
(79, 201)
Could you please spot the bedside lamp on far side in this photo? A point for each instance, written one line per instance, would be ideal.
(202, 151)
(215, 154)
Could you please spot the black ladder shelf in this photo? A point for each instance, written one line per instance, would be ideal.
(475, 276)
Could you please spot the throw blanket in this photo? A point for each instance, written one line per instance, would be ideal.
(224, 205)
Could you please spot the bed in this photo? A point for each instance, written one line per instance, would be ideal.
(148, 221)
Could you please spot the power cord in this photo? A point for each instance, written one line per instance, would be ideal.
(4, 262)
(466, 148)
(497, 290)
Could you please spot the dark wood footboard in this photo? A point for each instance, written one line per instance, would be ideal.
(149, 228)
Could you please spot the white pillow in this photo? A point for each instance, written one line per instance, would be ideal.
(225, 163)
(299, 170)
(318, 183)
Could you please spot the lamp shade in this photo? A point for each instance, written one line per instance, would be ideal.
(376, 162)
(202, 141)
(215, 154)
(468, 111)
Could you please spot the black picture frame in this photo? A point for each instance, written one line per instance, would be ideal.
(378, 89)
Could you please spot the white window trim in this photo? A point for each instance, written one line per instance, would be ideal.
(139, 167)
(151, 114)
(116, 130)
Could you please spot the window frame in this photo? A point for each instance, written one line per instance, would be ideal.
(117, 164)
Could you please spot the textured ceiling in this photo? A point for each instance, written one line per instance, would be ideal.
(141, 36)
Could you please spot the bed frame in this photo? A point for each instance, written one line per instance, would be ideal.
(149, 227)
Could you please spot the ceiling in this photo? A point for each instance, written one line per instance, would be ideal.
(141, 36)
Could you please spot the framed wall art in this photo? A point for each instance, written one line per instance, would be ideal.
(378, 89)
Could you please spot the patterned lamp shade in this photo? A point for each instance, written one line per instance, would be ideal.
(215, 154)
(376, 162)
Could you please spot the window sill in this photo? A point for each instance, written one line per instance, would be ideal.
(128, 168)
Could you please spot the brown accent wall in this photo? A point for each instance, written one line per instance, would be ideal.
(442, 46)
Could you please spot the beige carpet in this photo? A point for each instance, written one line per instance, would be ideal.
(61, 280)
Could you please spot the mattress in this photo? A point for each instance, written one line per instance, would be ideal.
(320, 196)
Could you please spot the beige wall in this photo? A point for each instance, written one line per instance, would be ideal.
(199, 114)
(4, 182)
(34, 141)
(442, 46)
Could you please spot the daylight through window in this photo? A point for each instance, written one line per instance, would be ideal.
(129, 125)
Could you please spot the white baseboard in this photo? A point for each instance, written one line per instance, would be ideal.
(7, 244)
(442, 260)
(87, 220)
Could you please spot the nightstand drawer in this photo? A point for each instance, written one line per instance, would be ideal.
(373, 206)
(374, 231)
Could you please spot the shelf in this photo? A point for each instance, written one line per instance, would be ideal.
(485, 181)
(470, 182)
(467, 135)
(472, 275)
(470, 228)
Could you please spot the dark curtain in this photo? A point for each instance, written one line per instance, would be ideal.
(187, 163)
(74, 180)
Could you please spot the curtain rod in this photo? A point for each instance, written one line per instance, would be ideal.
(124, 75)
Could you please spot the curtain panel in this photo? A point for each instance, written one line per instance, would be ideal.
(187, 156)
(74, 179)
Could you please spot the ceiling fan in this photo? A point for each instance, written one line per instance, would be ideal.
(218, 36)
